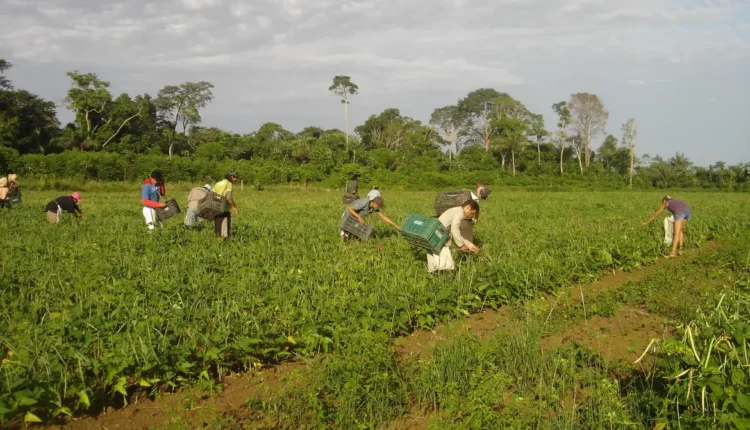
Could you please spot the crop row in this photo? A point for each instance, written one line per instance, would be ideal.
(97, 310)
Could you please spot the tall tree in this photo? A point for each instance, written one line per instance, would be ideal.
(512, 137)
(477, 114)
(510, 123)
(536, 129)
(28, 123)
(589, 119)
(681, 163)
(563, 122)
(88, 98)
(392, 131)
(447, 120)
(96, 113)
(629, 136)
(607, 151)
(5, 82)
(576, 142)
(180, 104)
(343, 87)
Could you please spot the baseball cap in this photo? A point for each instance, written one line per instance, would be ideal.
(379, 201)
(666, 198)
(76, 196)
(234, 173)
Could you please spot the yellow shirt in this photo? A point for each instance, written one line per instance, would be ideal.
(224, 189)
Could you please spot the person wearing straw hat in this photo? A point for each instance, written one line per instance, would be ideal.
(682, 214)
(364, 207)
(194, 198)
(223, 222)
(8, 185)
(55, 208)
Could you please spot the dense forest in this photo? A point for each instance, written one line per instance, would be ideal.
(486, 136)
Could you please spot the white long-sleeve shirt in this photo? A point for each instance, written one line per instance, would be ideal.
(451, 219)
(373, 193)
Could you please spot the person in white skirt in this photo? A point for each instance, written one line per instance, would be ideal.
(150, 195)
(452, 219)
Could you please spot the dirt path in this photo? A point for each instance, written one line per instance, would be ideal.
(192, 408)
(491, 322)
(617, 337)
(621, 337)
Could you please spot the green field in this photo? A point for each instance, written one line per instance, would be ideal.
(94, 312)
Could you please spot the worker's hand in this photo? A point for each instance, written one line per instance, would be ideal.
(235, 211)
(361, 220)
(645, 223)
(472, 248)
(162, 205)
(83, 216)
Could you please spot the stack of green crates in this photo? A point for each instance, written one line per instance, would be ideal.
(424, 232)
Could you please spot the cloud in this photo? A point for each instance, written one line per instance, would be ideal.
(199, 4)
(263, 21)
(239, 10)
(416, 54)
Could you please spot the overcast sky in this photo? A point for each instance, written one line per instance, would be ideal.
(680, 67)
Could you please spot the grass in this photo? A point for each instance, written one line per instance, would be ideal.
(99, 310)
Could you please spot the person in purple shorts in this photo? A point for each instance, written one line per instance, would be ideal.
(682, 213)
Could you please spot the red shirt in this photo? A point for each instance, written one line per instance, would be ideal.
(162, 188)
(162, 191)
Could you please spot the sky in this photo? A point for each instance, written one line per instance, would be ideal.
(681, 68)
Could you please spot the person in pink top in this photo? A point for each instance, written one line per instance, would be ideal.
(682, 214)
(55, 208)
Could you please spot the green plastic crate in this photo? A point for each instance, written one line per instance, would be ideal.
(424, 232)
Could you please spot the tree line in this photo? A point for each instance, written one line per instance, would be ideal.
(486, 134)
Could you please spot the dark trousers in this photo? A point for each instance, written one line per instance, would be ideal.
(5, 204)
(467, 230)
(223, 225)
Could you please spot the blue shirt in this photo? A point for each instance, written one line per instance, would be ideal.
(362, 207)
(150, 192)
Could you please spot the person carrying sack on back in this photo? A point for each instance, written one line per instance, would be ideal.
(352, 191)
(151, 192)
(482, 191)
(223, 188)
(8, 186)
(682, 214)
(364, 207)
(451, 220)
(55, 208)
(194, 198)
